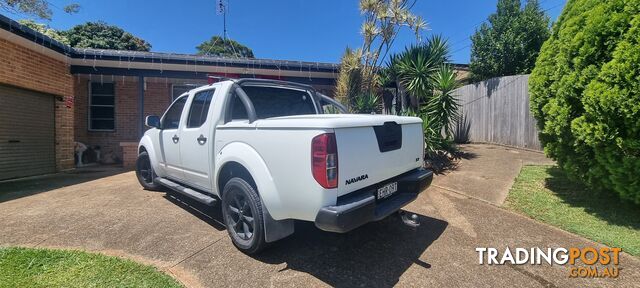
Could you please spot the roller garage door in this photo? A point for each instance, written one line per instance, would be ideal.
(27, 139)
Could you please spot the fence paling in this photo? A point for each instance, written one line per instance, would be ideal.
(497, 111)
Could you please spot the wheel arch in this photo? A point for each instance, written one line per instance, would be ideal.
(147, 145)
(244, 161)
(232, 169)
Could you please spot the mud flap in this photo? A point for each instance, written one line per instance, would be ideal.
(275, 230)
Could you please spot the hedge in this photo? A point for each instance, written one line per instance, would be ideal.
(585, 94)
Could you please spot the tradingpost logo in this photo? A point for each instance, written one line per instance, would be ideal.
(607, 258)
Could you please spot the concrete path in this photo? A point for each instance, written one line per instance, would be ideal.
(487, 172)
(113, 215)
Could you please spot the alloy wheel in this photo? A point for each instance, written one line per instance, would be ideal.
(146, 171)
(240, 216)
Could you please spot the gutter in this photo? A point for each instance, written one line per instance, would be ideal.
(89, 54)
(82, 56)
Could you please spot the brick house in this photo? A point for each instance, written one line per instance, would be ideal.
(52, 95)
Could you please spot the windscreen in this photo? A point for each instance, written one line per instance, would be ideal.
(276, 102)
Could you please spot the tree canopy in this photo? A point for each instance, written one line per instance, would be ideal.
(510, 42)
(585, 94)
(100, 35)
(217, 46)
(54, 34)
(38, 8)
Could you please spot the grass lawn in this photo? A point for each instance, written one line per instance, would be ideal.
(546, 194)
(24, 267)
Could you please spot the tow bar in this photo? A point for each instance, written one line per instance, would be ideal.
(409, 219)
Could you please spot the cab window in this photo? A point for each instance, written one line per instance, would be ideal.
(199, 108)
(171, 119)
(276, 102)
(238, 111)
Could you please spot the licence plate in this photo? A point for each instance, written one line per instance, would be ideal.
(387, 190)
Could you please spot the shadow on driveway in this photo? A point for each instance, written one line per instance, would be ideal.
(22, 187)
(444, 163)
(376, 254)
(210, 215)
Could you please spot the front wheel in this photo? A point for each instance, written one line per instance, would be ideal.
(242, 212)
(145, 173)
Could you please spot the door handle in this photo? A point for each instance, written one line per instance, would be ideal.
(202, 139)
(175, 139)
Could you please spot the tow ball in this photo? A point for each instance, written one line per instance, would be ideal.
(409, 219)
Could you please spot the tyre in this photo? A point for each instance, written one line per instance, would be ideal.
(242, 213)
(145, 173)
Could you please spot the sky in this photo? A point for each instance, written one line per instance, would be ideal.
(301, 30)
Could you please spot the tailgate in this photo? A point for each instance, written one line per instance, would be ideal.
(371, 154)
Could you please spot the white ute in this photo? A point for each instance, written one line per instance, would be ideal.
(268, 152)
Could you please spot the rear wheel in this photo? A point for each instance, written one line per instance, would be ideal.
(145, 173)
(242, 212)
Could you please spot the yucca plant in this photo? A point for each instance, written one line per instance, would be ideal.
(443, 105)
(432, 137)
(365, 104)
(416, 67)
(434, 142)
(385, 80)
(385, 77)
(409, 112)
(349, 83)
(422, 71)
(383, 20)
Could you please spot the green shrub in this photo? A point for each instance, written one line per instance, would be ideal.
(365, 104)
(585, 94)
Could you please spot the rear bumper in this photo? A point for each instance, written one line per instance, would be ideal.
(360, 207)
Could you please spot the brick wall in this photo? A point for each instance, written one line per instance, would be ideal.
(157, 99)
(126, 110)
(129, 154)
(64, 136)
(29, 69)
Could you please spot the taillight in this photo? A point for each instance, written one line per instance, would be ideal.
(324, 160)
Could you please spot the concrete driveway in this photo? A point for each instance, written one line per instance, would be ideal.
(487, 172)
(113, 215)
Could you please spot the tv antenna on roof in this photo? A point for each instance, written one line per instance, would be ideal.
(221, 8)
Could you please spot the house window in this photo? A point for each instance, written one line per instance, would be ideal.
(177, 90)
(102, 107)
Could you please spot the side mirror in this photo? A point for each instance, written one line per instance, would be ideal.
(152, 121)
